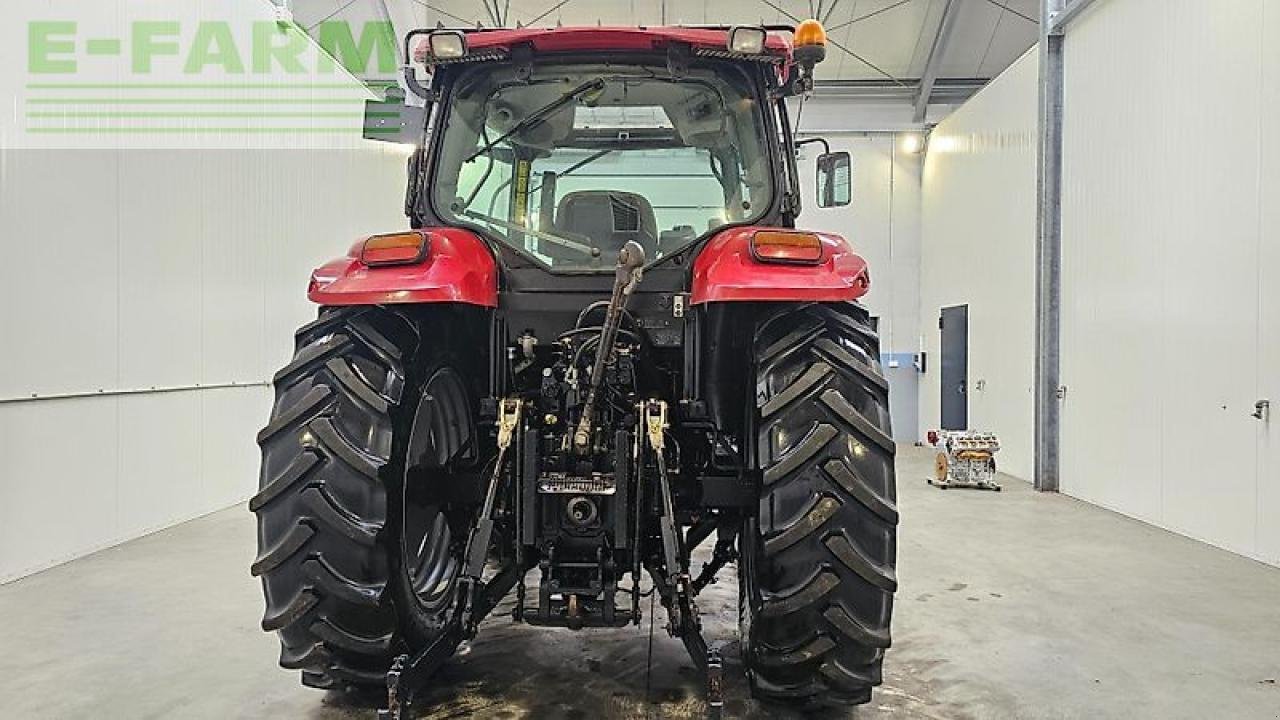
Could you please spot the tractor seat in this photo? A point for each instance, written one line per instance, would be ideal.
(609, 218)
(676, 238)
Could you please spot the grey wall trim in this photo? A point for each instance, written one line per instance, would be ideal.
(35, 397)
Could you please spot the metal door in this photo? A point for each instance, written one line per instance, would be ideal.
(954, 324)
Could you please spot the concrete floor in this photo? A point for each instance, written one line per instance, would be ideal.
(1012, 605)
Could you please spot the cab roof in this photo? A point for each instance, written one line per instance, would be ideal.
(608, 38)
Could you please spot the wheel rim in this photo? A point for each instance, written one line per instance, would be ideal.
(428, 541)
(430, 561)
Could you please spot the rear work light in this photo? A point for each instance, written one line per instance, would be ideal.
(746, 40)
(405, 248)
(447, 45)
(798, 248)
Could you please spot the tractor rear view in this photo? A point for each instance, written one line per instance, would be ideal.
(603, 344)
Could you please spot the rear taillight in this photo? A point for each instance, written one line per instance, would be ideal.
(786, 247)
(395, 249)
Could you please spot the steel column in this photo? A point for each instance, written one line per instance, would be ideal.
(934, 65)
(1049, 253)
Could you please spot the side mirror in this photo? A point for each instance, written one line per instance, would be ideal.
(392, 120)
(835, 179)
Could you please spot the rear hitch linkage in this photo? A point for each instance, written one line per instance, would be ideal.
(476, 598)
(675, 586)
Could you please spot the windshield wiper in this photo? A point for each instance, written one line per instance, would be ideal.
(540, 114)
(549, 237)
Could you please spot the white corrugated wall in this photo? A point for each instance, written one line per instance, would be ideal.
(882, 223)
(1171, 235)
(141, 269)
(978, 248)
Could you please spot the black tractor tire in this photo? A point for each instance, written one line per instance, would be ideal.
(818, 563)
(331, 503)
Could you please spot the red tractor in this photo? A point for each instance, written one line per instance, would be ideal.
(602, 343)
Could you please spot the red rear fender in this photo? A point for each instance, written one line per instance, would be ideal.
(726, 271)
(458, 268)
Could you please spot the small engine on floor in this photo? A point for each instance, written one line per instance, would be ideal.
(965, 459)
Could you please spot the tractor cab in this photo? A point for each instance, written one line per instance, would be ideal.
(560, 146)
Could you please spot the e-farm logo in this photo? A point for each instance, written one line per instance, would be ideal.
(204, 77)
(56, 48)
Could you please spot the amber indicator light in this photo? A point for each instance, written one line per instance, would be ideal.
(395, 249)
(787, 247)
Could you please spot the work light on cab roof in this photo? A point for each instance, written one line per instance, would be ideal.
(746, 40)
(447, 45)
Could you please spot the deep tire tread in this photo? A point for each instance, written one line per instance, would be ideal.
(298, 469)
(322, 506)
(794, 599)
(823, 553)
(822, 510)
(309, 406)
(839, 405)
(336, 444)
(330, 512)
(353, 384)
(292, 611)
(826, 348)
(814, 375)
(802, 454)
(855, 560)
(309, 356)
(841, 475)
(335, 636)
(332, 583)
(328, 321)
(854, 630)
(287, 547)
(810, 649)
(310, 655)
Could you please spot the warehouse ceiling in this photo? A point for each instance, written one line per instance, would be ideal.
(880, 49)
